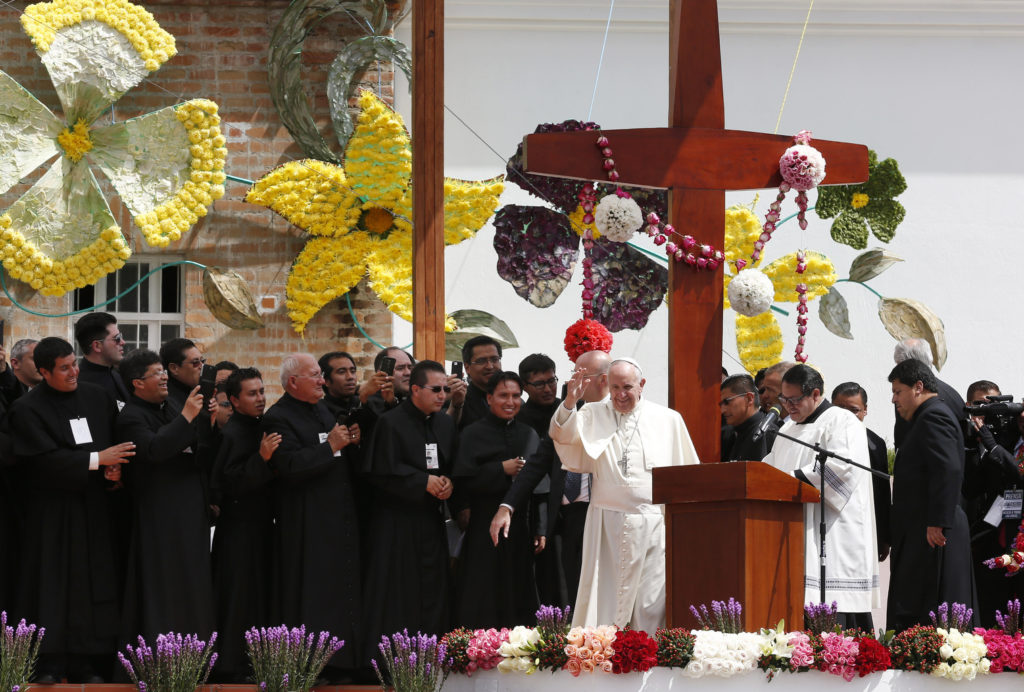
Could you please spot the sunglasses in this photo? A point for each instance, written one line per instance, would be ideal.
(436, 389)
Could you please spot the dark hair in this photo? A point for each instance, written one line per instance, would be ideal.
(467, 348)
(378, 360)
(173, 352)
(910, 372)
(48, 350)
(981, 386)
(325, 361)
(422, 369)
(505, 376)
(741, 384)
(233, 384)
(534, 363)
(92, 327)
(759, 377)
(135, 365)
(850, 389)
(226, 365)
(805, 377)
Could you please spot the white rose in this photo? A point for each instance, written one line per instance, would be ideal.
(971, 671)
(941, 670)
(984, 665)
(695, 668)
(945, 652)
(957, 671)
(960, 654)
(507, 665)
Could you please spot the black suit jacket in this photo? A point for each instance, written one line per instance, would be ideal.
(541, 463)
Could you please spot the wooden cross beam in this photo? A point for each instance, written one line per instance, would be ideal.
(697, 159)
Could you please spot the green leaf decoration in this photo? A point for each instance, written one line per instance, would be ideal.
(476, 323)
(870, 264)
(872, 202)
(354, 59)
(284, 65)
(834, 314)
(850, 229)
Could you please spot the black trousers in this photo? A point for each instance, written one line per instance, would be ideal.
(573, 517)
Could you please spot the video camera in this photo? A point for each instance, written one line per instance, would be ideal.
(1000, 412)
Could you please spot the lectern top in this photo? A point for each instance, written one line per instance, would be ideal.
(737, 480)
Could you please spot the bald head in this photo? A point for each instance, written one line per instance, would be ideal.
(596, 364)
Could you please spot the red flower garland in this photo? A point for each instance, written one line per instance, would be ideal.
(872, 656)
(585, 336)
(634, 651)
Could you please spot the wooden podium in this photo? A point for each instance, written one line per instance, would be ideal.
(734, 530)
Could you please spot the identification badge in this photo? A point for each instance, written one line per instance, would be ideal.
(80, 429)
(1012, 501)
(994, 515)
(323, 438)
(432, 459)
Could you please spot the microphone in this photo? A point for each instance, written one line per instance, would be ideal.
(772, 417)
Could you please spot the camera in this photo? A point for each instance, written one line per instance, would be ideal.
(1000, 413)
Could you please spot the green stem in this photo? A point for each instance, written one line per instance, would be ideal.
(790, 217)
(122, 294)
(862, 284)
(244, 181)
(348, 302)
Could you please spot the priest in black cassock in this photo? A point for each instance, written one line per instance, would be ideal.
(242, 543)
(65, 451)
(741, 412)
(103, 347)
(341, 383)
(168, 585)
(184, 365)
(409, 462)
(317, 561)
(496, 586)
(931, 542)
(481, 357)
(383, 392)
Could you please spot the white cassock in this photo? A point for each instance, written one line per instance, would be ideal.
(623, 577)
(851, 551)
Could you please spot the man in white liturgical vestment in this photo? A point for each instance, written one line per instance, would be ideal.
(619, 441)
(851, 553)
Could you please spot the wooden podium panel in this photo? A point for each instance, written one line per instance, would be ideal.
(734, 530)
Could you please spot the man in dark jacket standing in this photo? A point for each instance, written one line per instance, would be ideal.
(931, 543)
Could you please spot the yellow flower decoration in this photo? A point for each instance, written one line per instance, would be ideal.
(167, 167)
(759, 338)
(359, 215)
(859, 200)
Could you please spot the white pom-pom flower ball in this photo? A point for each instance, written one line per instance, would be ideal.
(751, 292)
(618, 218)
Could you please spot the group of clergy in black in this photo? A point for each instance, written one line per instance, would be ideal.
(970, 468)
(337, 508)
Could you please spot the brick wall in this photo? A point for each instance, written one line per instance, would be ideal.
(222, 55)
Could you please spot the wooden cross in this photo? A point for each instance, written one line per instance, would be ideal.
(697, 159)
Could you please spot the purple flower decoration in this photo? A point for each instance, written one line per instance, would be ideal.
(537, 247)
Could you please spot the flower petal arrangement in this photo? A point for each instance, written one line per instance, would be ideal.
(538, 246)
(167, 167)
(359, 215)
(871, 204)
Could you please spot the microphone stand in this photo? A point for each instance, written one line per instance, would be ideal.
(823, 455)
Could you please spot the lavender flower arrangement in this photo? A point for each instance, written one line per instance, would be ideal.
(819, 618)
(553, 620)
(181, 663)
(956, 616)
(286, 660)
(19, 650)
(1010, 623)
(724, 617)
(412, 664)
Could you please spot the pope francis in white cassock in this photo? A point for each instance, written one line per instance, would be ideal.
(851, 553)
(618, 441)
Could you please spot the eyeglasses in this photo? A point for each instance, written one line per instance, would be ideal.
(158, 373)
(195, 362)
(792, 400)
(493, 360)
(436, 389)
(539, 384)
(318, 376)
(224, 404)
(726, 400)
(116, 338)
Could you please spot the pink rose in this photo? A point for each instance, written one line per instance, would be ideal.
(598, 658)
(587, 666)
(571, 651)
(607, 667)
(585, 654)
(573, 666)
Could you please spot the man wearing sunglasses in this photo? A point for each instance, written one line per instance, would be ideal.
(851, 552)
(740, 410)
(102, 347)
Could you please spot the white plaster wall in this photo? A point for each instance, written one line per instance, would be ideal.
(933, 84)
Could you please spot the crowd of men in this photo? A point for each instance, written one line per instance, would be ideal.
(954, 500)
(414, 498)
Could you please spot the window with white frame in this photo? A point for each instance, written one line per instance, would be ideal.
(153, 312)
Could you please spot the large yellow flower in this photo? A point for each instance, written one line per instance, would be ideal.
(359, 215)
(759, 338)
(167, 167)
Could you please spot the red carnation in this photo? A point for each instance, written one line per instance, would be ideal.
(634, 651)
(585, 336)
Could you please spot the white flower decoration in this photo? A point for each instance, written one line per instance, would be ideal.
(751, 292)
(618, 218)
